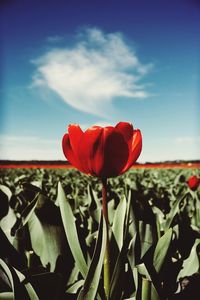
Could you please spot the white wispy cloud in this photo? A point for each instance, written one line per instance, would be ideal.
(89, 75)
(29, 148)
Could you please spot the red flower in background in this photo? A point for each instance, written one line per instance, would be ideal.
(102, 151)
(193, 182)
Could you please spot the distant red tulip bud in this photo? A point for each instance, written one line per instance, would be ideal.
(193, 182)
(102, 151)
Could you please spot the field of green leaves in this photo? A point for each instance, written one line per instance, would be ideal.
(53, 239)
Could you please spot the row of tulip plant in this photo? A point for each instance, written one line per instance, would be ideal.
(70, 236)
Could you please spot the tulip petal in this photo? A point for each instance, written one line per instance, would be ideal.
(126, 129)
(68, 152)
(115, 151)
(89, 149)
(75, 136)
(193, 182)
(102, 152)
(135, 148)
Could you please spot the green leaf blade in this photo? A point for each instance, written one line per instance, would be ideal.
(162, 249)
(71, 231)
(91, 284)
(118, 222)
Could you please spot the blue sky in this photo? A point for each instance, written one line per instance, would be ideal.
(100, 62)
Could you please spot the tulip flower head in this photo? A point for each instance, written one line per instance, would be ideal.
(102, 151)
(193, 182)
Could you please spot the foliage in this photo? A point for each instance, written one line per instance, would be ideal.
(52, 234)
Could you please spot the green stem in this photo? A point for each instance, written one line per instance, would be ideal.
(107, 251)
(146, 289)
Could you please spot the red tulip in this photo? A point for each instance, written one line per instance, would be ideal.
(193, 182)
(102, 151)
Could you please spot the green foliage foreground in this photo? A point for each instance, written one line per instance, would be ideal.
(53, 235)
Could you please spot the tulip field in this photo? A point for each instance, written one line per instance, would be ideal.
(53, 236)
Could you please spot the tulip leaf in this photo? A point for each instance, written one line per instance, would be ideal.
(117, 283)
(146, 237)
(155, 287)
(174, 210)
(120, 235)
(160, 220)
(16, 281)
(95, 214)
(191, 264)
(196, 214)
(34, 186)
(73, 276)
(9, 252)
(118, 222)
(6, 191)
(146, 271)
(162, 249)
(71, 231)
(31, 292)
(154, 294)
(146, 286)
(93, 200)
(111, 211)
(142, 270)
(7, 215)
(75, 287)
(137, 281)
(4, 198)
(7, 296)
(43, 234)
(91, 284)
(128, 214)
(29, 210)
(7, 224)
